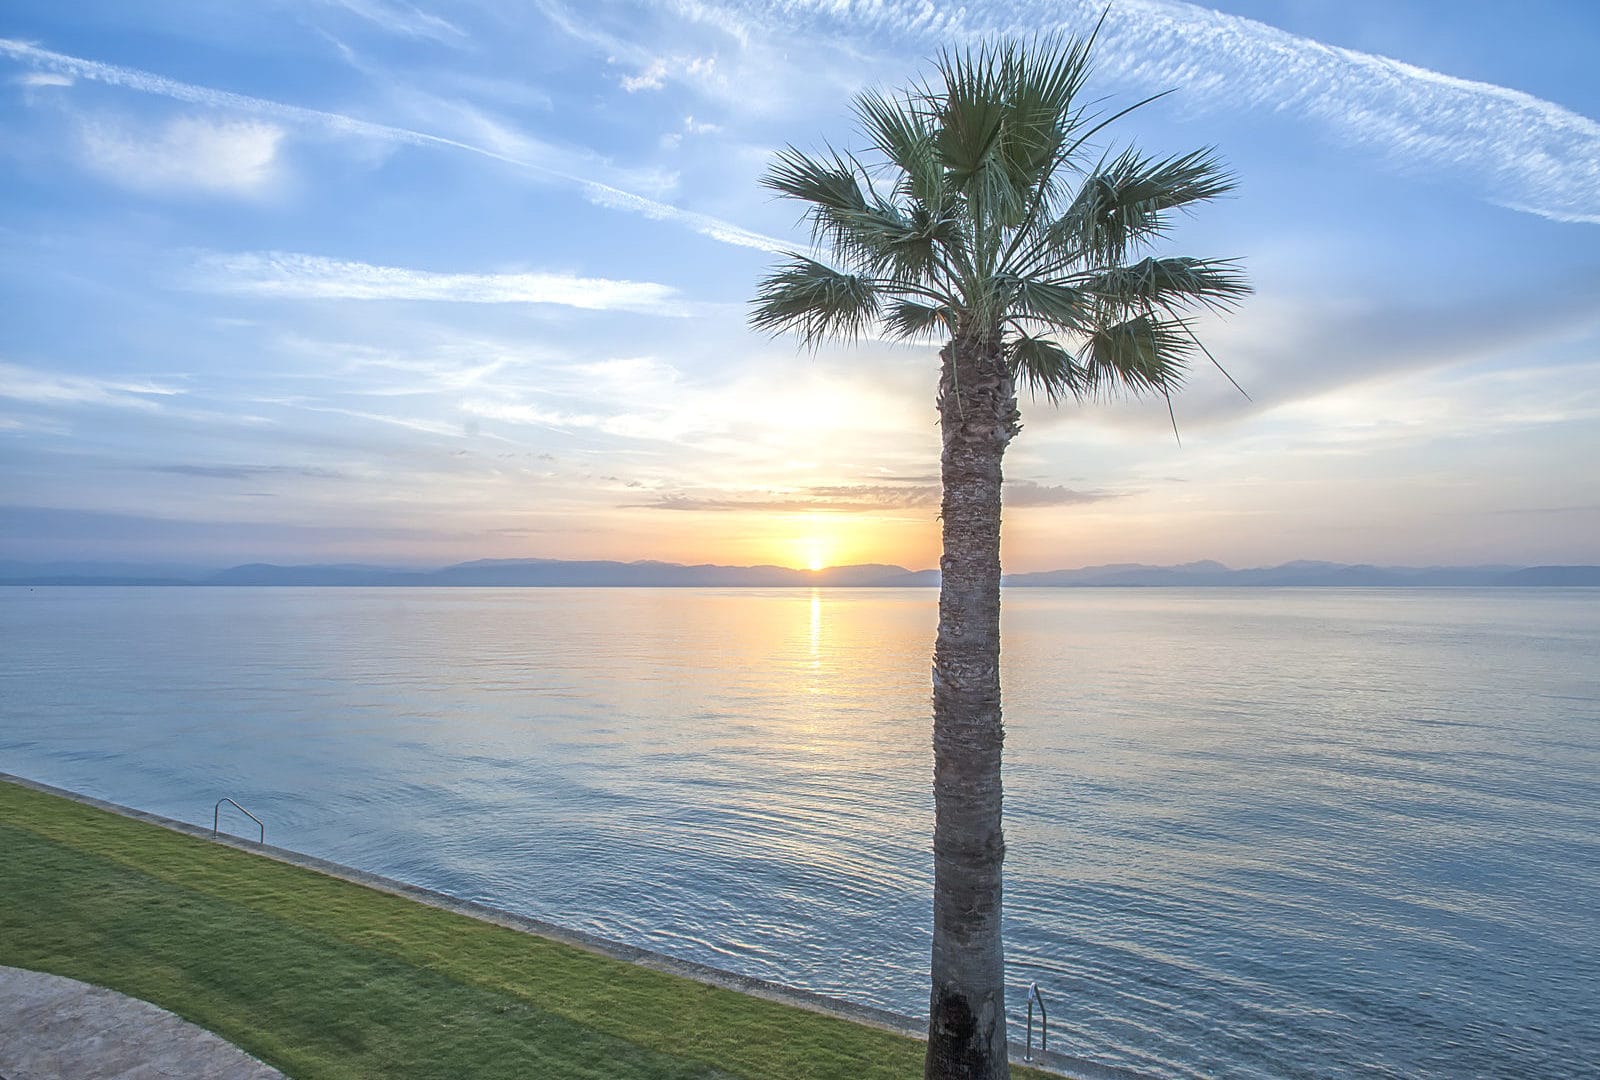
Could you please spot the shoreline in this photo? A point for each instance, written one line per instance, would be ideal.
(777, 993)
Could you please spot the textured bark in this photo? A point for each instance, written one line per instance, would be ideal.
(966, 1017)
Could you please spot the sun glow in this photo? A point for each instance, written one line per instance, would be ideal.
(815, 552)
(816, 540)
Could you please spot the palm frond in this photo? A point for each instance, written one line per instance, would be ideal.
(910, 319)
(970, 212)
(1045, 367)
(830, 183)
(898, 129)
(1041, 83)
(814, 300)
(1124, 203)
(969, 120)
(862, 229)
(1172, 284)
(1058, 305)
(1140, 355)
(908, 245)
(969, 109)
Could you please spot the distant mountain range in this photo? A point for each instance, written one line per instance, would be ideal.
(559, 572)
(1202, 574)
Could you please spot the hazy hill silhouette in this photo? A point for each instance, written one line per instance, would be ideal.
(548, 573)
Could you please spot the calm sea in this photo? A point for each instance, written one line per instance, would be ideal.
(1252, 833)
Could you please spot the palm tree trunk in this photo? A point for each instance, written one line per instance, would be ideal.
(967, 1017)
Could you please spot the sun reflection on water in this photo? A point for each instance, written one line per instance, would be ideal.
(816, 632)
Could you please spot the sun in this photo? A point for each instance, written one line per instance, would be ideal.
(814, 551)
(816, 540)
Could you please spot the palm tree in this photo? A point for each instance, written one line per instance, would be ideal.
(978, 216)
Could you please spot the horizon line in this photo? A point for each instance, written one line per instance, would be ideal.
(424, 568)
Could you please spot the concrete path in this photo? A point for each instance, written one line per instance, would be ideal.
(61, 1029)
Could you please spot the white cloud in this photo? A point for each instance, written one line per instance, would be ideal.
(1520, 151)
(657, 425)
(312, 277)
(410, 423)
(632, 397)
(725, 430)
(523, 413)
(44, 78)
(1392, 414)
(597, 192)
(690, 126)
(645, 375)
(404, 20)
(228, 157)
(656, 73)
(507, 142)
(653, 77)
(20, 383)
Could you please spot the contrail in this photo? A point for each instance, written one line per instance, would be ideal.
(1522, 152)
(600, 194)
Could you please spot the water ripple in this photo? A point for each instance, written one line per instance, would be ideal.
(1255, 833)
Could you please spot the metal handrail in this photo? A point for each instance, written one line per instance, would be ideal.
(216, 818)
(1044, 1024)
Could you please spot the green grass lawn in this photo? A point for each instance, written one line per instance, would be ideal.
(324, 978)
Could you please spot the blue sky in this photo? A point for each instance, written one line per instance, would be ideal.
(372, 281)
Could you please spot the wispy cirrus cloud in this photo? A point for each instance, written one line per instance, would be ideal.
(188, 154)
(650, 424)
(1518, 150)
(44, 78)
(21, 383)
(507, 142)
(1020, 493)
(690, 127)
(1289, 352)
(653, 77)
(247, 472)
(862, 498)
(288, 275)
(660, 69)
(410, 423)
(403, 19)
(338, 124)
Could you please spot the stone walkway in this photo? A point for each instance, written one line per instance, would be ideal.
(61, 1029)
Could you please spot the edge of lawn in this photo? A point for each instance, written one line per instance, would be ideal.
(808, 1001)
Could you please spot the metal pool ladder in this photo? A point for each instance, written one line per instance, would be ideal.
(216, 818)
(1044, 1021)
